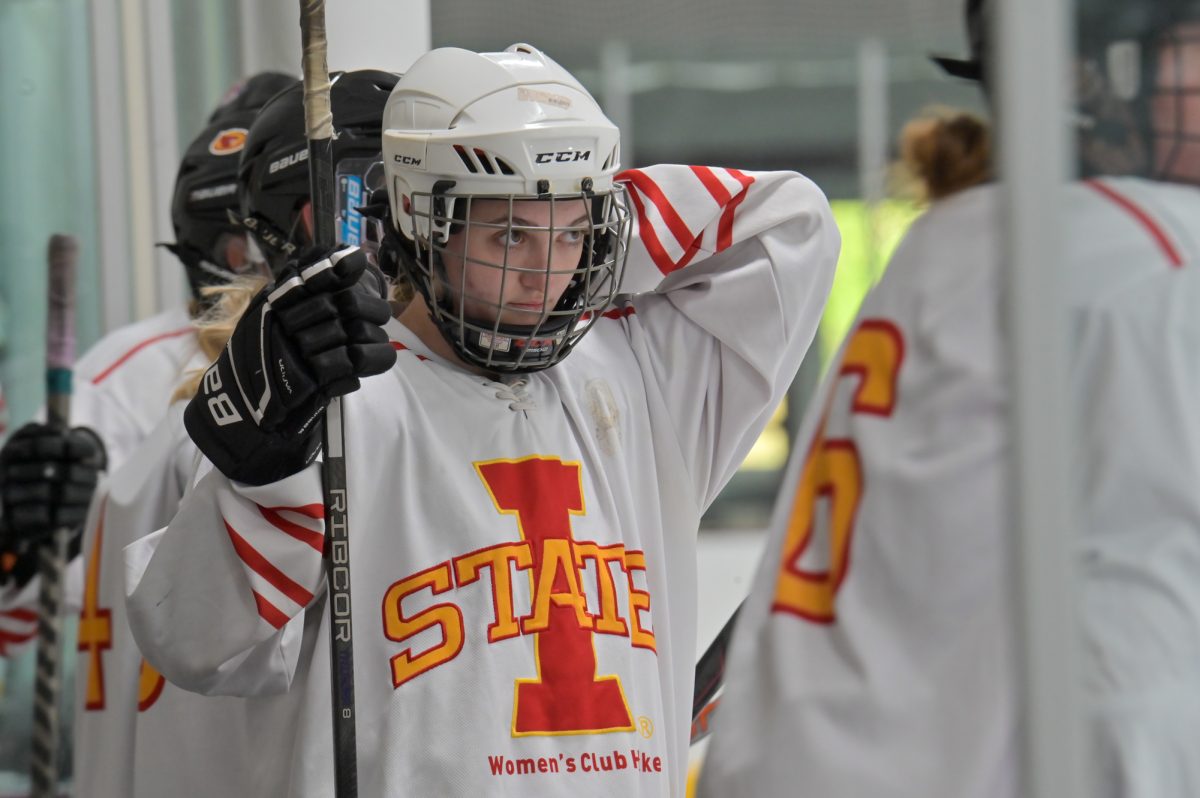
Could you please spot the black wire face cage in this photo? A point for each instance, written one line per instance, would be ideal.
(1134, 115)
(506, 314)
(1174, 60)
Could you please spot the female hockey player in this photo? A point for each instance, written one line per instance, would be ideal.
(875, 654)
(525, 479)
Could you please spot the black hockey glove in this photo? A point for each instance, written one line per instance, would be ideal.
(303, 340)
(47, 476)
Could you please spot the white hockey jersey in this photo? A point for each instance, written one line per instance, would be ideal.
(122, 385)
(523, 551)
(137, 735)
(874, 654)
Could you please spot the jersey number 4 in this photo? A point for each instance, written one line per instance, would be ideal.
(96, 637)
(832, 472)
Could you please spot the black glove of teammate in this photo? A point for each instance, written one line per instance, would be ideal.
(47, 475)
(302, 341)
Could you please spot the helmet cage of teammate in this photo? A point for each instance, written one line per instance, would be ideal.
(1134, 60)
(1139, 69)
(273, 180)
(463, 130)
(206, 185)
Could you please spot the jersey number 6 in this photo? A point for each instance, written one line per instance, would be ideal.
(833, 472)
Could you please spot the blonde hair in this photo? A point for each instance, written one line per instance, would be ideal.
(229, 302)
(944, 151)
(215, 325)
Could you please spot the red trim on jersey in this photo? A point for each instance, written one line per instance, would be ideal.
(725, 226)
(861, 405)
(159, 683)
(1145, 219)
(619, 313)
(721, 194)
(8, 639)
(12, 637)
(300, 533)
(261, 566)
(269, 612)
(399, 347)
(712, 183)
(649, 236)
(20, 615)
(121, 360)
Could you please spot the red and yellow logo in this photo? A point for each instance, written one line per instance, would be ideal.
(228, 141)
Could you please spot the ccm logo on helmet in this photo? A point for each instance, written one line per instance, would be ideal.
(407, 160)
(287, 160)
(564, 156)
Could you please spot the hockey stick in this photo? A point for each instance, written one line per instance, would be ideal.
(710, 676)
(62, 254)
(318, 117)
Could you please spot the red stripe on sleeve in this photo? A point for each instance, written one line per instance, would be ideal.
(259, 564)
(673, 220)
(300, 533)
(20, 615)
(1145, 219)
(712, 183)
(725, 226)
(99, 378)
(650, 240)
(269, 612)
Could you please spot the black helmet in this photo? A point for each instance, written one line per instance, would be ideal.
(206, 184)
(251, 94)
(972, 67)
(273, 177)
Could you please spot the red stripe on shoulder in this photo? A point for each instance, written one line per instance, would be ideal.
(1143, 217)
(99, 378)
(261, 566)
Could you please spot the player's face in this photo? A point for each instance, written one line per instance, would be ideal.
(1175, 107)
(515, 273)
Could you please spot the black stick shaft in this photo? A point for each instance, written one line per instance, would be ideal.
(62, 254)
(319, 123)
(710, 670)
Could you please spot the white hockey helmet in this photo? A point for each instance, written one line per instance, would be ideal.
(515, 126)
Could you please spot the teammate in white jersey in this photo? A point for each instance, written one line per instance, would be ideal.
(132, 725)
(522, 522)
(123, 383)
(121, 388)
(875, 653)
